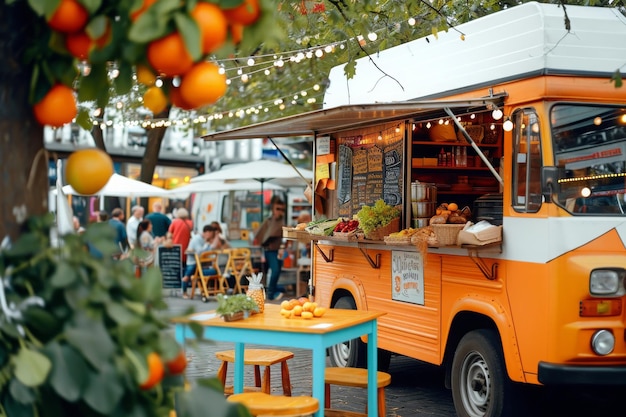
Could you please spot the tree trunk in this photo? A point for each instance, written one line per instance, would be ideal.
(24, 182)
(151, 156)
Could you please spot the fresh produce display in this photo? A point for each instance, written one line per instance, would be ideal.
(301, 308)
(378, 215)
(324, 227)
(346, 226)
(450, 213)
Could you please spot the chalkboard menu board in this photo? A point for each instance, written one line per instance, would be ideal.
(169, 259)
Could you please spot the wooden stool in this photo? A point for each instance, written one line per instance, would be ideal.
(258, 358)
(355, 377)
(260, 403)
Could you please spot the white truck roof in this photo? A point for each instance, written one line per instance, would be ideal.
(522, 41)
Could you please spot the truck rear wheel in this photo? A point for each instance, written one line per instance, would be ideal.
(353, 353)
(480, 385)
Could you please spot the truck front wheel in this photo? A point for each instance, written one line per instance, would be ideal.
(480, 385)
(353, 353)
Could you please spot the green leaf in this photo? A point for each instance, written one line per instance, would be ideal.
(120, 314)
(15, 409)
(84, 119)
(124, 81)
(93, 341)
(154, 22)
(190, 32)
(69, 372)
(92, 6)
(139, 364)
(617, 79)
(27, 244)
(104, 389)
(41, 7)
(137, 307)
(196, 401)
(21, 392)
(152, 285)
(92, 85)
(41, 322)
(31, 367)
(64, 275)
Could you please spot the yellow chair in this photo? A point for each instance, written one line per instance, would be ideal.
(262, 404)
(353, 377)
(210, 285)
(258, 358)
(239, 265)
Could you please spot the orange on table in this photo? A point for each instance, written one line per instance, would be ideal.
(168, 55)
(245, 14)
(57, 107)
(155, 371)
(213, 25)
(203, 84)
(88, 170)
(70, 16)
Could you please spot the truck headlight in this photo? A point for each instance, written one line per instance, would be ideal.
(603, 282)
(603, 342)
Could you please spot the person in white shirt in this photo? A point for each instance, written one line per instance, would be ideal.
(199, 243)
(132, 223)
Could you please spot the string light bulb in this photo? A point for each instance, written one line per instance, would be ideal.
(507, 125)
(496, 114)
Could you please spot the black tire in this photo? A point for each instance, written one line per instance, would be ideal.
(480, 385)
(353, 353)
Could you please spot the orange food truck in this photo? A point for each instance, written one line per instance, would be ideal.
(518, 120)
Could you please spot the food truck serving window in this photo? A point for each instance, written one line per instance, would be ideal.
(590, 151)
(526, 162)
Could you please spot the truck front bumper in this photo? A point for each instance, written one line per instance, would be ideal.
(557, 374)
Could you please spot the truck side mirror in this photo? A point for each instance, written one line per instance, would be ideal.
(549, 182)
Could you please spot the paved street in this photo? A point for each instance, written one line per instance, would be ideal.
(416, 389)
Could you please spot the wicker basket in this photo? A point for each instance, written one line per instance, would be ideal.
(447, 234)
(381, 232)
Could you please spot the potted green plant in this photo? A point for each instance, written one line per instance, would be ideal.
(235, 307)
(81, 335)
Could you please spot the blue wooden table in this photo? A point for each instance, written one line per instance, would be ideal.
(317, 334)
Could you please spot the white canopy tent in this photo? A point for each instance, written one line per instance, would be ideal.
(184, 191)
(121, 186)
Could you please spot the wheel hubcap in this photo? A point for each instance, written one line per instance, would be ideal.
(475, 390)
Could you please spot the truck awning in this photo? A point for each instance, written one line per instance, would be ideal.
(347, 117)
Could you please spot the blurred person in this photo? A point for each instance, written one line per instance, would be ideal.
(117, 222)
(103, 216)
(146, 241)
(179, 232)
(77, 227)
(219, 241)
(160, 222)
(270, 237)
(199, 243)
(132, 223)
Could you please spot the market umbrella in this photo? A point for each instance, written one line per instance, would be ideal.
(184, 191)
(260, 171)
(121, 186)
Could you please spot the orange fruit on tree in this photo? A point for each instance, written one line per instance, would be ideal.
(213, 25)
(134, 15)
(178, 364)
(145, 75)
(88, 170)
(79, 44)
(70, 16)
(177, 100)
(236, 33)
(245, 14)
(154, 100)
(168, 55)
(203, 84)
(156, 370)
(57, 107)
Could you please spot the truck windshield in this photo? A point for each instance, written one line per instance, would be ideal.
(590, 152)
